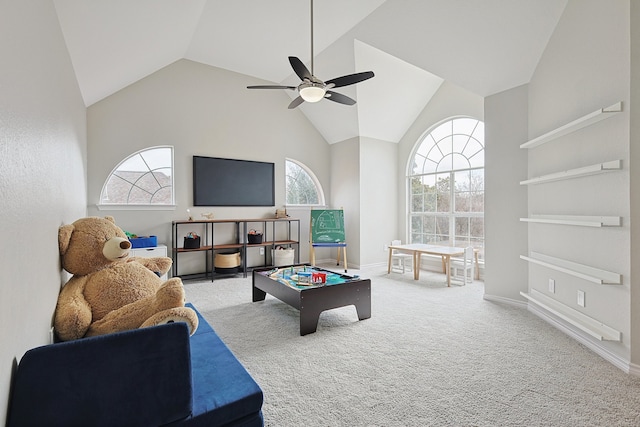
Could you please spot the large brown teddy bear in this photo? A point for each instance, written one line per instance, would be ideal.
(109, 290)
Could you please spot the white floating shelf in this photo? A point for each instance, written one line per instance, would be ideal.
(584, 121)
(591, 274)
(575, 173)
(581, 220)
(583, 322)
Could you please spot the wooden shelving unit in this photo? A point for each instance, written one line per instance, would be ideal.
(584, 121)
(580, 320)
(575, 173)
(579, 220)
(210, 244)
(591, 274)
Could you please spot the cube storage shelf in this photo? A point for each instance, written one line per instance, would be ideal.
(276, 232)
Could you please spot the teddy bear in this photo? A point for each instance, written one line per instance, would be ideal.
(110, 291)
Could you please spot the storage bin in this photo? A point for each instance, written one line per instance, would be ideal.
(191, 242)
(282, 257)
(143, 242)
(254, 238)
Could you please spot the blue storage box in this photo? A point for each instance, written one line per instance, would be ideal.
(143, 242)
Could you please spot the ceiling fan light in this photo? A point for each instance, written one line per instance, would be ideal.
(312, 92)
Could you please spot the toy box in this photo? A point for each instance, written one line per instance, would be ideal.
(143, 241)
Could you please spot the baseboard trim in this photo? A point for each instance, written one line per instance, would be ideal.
(330, 263)
(510, 301)
(634, 369)
(374, 266)
(586, 340)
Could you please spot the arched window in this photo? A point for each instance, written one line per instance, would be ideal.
(302, 186)
(145, 178)
(446, 185)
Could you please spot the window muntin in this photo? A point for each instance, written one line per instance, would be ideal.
(145, 178)
(302, 187)
(446, 185)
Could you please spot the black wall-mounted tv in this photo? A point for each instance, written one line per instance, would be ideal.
(230, 182)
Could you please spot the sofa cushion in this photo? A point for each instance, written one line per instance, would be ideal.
(74, 384)
(223, 391)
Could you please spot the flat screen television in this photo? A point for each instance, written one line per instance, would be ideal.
(230, 182)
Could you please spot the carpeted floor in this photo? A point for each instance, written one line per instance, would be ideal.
(428, 356)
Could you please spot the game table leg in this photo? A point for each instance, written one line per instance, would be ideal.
(363, 308)
(258, 295)
(309, 321)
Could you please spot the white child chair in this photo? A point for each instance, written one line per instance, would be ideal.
(400, 262)
(463, 267)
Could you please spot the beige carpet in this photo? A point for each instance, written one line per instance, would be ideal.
(428, 356)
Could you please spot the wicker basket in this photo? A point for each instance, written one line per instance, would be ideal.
(227, 260)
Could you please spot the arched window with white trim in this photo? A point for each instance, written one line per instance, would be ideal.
(145, 178)
(302, 186)
(446, 185)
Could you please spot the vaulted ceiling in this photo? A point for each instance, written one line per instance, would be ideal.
(484, 46)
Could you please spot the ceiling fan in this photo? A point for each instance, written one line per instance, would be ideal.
(312, 89)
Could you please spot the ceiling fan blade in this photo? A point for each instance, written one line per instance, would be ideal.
(301, 70)
(271, 87)
(296, 102)
(339, 98)
(350, 79)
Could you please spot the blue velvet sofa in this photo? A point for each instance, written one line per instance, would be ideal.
(146, 377)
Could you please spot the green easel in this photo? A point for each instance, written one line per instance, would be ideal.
(327, 231)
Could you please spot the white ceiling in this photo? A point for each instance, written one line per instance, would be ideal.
(484, 46)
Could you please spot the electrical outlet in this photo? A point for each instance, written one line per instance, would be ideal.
(385, 247)
(262, 251)
(552, 286)
(581, 298)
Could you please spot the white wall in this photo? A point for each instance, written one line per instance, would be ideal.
(345, 190)
(42, 174)
(200, 110)
(505, 199)
(634, 170)
(584, 67)
(379, 203)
